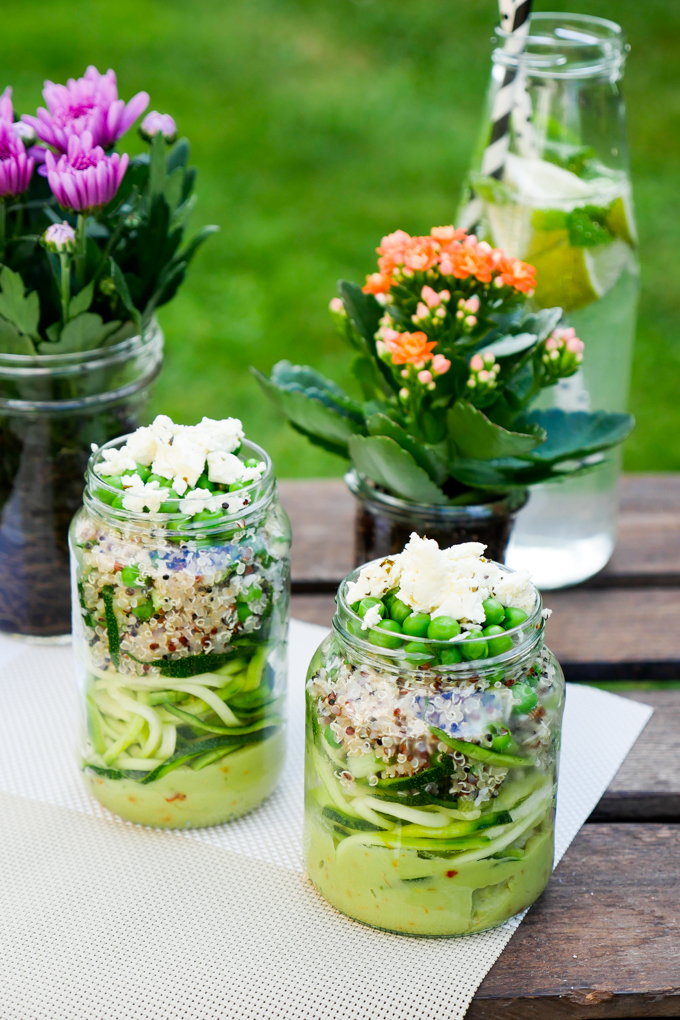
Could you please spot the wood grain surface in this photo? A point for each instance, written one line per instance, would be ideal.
(602, 941)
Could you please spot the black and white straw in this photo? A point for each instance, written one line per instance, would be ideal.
(515, 22)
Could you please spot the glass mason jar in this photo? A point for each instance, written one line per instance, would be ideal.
(563, 203)
(430, 792)
(383, 523)
(52, 408)
(179, 634)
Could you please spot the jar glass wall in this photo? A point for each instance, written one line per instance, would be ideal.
(430, 790)
(179, 634)
(52, 408)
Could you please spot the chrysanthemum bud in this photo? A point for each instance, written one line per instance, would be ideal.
(562, 354)
(156, 123)
(425, 376)
(25, 132)
(60, 238)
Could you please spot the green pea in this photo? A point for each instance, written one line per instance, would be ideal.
(449, 656)
(416, 625)
(355, 607)
(354, 627)
(513, 617)
(243, 611)
(143, 472)
(385, 635)
(162, 482)
(389, 598)
(368, 603)
(236, 485)
(115, 481)
(526, 699)
(502, 741)
(205, 483)
(494, 612)
(418, 654)
(207, 516)
(117, 503)
(145, 610)
(443, 628)
(251, 462)
(474, 649)
(130, 575)
(399, 610)
(499, 644)
(166, 506)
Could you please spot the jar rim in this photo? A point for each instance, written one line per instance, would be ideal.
(511, 503)
(529, 632)
(261, 490)
(77, 361)
(601, 42)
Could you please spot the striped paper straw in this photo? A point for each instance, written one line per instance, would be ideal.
(515, 21)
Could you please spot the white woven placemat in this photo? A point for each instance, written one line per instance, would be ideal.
(106, 921)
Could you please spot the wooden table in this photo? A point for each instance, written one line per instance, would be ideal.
(604, 938)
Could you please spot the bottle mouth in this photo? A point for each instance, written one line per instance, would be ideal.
(525, 638)
(566, 46)
(250, 500)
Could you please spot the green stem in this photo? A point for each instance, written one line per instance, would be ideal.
(65, 262)
(80, 251)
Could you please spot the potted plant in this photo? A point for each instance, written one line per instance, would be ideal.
(449, 362)
(90, 248)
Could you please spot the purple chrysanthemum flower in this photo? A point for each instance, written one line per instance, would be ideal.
(15, 166)
(85, 178)
(60, 238)
(89, 103)
(156, 123)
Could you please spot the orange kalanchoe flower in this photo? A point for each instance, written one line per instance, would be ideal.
(517, 274)
(420, 254)
(410, 348)
(391, 250)
(377, 283)
(469, 259)
(446, 236)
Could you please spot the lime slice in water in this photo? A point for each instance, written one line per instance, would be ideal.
(621, 220)
(574, 277)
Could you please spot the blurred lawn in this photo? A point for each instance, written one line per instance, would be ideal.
(318, 126)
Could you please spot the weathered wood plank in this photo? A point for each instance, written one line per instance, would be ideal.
(602, 941)
(647, 786)
(322, 513)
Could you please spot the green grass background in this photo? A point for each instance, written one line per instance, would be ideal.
(317, 127)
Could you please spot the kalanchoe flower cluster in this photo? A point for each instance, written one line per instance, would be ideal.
(88, 104)
(448, 360)
(484, 371)
(562, 354)
(447, 252)
(16, 167)
(85, 178)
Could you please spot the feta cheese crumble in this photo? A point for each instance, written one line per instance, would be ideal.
(443, 582)
(181, 455)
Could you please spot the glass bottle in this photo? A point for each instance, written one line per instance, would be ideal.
(430, 788)
(179, 635)
(563, 203)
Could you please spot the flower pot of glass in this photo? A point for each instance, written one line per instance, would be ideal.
(90, 248)
(448, 361)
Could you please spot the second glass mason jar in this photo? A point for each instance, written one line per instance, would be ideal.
(430, 791)
(563, 203)
(179, 634)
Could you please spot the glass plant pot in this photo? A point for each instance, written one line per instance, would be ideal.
(52, 408)
(179, 634)
(564, 204)
(430, 790)
(384, 523)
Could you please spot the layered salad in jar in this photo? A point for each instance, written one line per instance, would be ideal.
(433, 729)
(180, 571)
